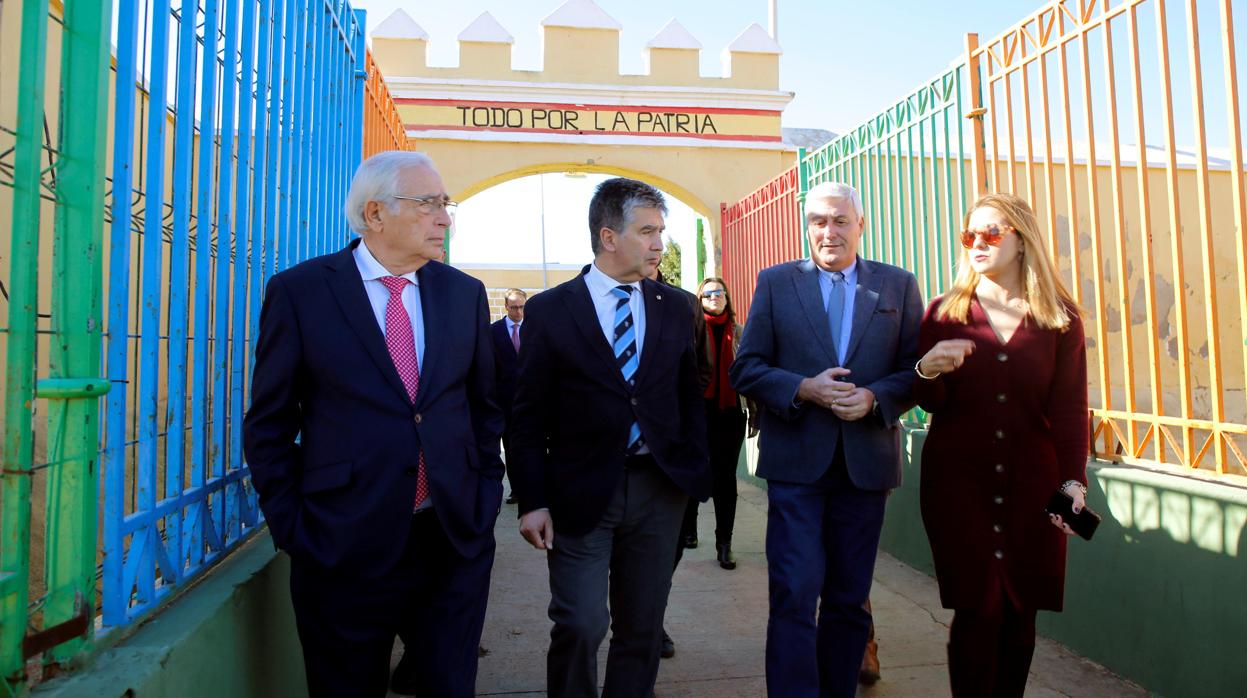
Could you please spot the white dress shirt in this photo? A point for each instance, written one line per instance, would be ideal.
(371, 271)
(604, 301)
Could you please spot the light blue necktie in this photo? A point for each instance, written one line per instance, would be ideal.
(626, 355)
(835, 312)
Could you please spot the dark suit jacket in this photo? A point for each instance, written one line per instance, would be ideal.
(787, 338)
(331, 436)
(505, 361)
(572, 409)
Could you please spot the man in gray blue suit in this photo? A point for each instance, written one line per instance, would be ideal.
(828, 351)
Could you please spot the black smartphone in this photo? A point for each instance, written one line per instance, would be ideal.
(1083, 523)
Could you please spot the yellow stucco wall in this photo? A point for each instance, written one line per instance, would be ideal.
(704, 140)
(1110, 323)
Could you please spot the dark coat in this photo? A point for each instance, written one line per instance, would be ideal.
(342, 494)
(1007, 428)
(572, 412)
(787, 339)
(505, 361)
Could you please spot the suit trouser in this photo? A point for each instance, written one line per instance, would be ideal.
(436, 598)
(625, 558)
(821, 542)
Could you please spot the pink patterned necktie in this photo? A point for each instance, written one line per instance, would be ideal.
(401, 342)
(515, 337)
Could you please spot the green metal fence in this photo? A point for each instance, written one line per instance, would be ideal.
(910, 164)
(52, 167)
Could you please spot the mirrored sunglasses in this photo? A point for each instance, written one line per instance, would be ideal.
(992, 235)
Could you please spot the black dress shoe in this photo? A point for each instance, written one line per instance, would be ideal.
(403, 680)
(668, 646)
(726, 561)
(690, 541)
(511, 498)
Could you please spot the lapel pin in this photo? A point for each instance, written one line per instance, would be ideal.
(658, 297)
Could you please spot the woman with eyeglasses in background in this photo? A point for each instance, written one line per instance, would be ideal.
(1004, 375)
(725, 419)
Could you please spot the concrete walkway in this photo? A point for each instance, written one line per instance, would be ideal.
(718, 621)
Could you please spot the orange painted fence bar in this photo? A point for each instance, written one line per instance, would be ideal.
(1124, 130)
(383, 128)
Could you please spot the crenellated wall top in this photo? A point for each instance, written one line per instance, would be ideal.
(580, 44)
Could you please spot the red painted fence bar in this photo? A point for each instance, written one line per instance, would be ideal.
(760, 230)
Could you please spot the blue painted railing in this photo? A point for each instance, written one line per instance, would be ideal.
(237, 125)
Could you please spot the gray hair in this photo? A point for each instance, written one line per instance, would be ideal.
(835, 190)
(613, 204)
(376, 179)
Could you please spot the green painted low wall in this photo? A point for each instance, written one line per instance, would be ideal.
(231, 634)
(1158, 596)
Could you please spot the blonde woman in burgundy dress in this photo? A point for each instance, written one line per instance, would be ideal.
(1004, 375)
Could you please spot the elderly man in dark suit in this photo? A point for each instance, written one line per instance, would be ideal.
(372, 439)
(609, 443)
(506, 334)
(828, 350)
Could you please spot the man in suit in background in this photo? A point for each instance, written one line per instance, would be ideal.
(828, 350)
(372, 439)
(609, 443)
(506, 334)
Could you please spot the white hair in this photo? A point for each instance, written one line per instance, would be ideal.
(835, 190)
(376, 179)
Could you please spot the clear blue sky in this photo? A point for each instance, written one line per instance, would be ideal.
(845, 62)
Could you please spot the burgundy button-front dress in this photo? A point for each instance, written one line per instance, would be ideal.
(1007, 428)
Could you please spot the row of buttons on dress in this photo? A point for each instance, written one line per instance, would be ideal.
(998, 528)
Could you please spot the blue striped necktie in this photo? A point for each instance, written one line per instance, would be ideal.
(626, 355)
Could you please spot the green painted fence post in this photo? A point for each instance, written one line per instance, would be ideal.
(803, 186)
(701, 251)
(77, 279)
(19, 362)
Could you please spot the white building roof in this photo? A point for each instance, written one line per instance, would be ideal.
(485, 29)
(754, 40)
(399, 25)
(581, 14)
(673, 35)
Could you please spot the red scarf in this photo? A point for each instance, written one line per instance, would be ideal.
(723, 356)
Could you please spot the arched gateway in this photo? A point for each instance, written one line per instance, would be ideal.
(706, 140)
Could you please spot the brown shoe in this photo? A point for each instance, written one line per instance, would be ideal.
(869, 673)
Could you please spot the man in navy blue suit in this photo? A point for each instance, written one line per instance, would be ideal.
(506, 334)
(828, 350)
(372, 439)
(609, 442)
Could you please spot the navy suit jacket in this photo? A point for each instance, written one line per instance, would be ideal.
(788, 338)
(572, 412)
(505, 361)
(332, 438)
